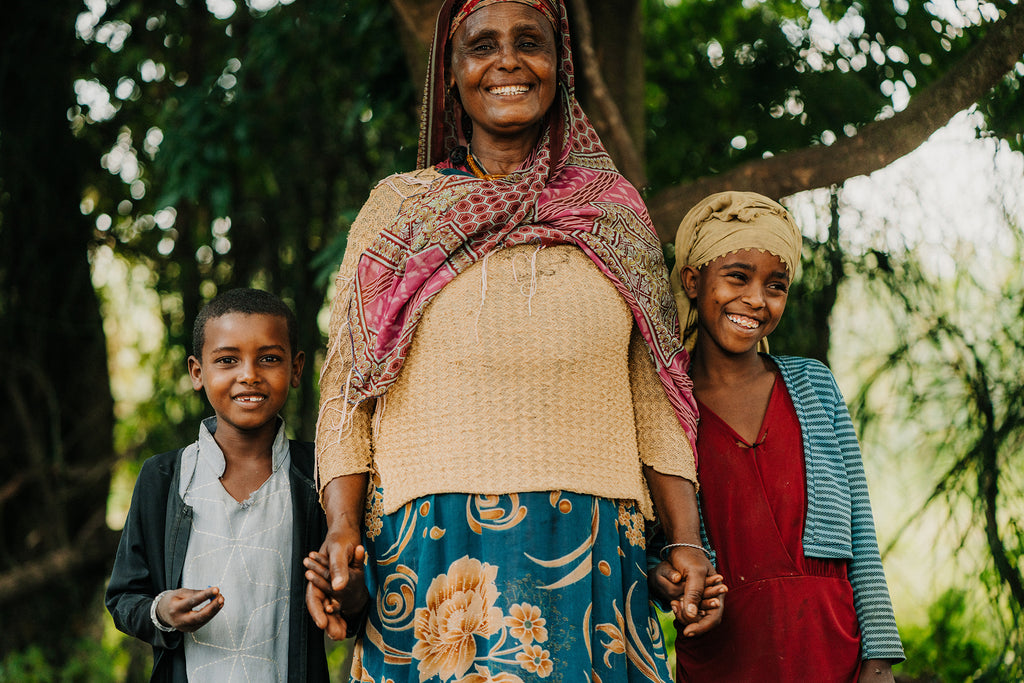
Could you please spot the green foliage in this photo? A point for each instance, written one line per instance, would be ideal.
(955, 645)
(86, 664)
(950, 378)
(242, 148)
(729, 82)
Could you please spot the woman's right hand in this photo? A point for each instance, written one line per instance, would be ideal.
(336, 585)
(334, 611)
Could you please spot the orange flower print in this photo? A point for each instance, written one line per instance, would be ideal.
(635, 533)
(483, 675)
(460, 605)
(525, 623)
(536, 660)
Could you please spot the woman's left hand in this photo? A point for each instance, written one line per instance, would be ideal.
(702, 599)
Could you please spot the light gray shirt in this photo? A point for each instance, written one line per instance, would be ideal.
(245, 549)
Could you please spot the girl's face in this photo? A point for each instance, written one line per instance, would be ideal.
(739, 299)
(505, 65)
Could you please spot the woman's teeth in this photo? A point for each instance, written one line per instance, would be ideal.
(508, 90)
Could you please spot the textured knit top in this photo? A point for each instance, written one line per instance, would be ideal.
(526, 373)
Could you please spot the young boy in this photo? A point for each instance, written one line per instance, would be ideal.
(209, 568)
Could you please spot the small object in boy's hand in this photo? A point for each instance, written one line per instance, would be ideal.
(203, 604)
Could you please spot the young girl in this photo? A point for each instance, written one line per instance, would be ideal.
(783, 494)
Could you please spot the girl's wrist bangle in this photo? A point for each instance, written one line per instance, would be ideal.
(664, 551)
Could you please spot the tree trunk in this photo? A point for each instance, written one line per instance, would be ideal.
(57, 421)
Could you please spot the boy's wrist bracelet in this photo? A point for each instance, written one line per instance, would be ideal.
(664, 551)
(156, 620)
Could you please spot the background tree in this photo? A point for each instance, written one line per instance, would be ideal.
(57, 418)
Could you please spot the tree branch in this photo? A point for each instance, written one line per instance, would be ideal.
(614, 126)
(94, 547)
(877, 145)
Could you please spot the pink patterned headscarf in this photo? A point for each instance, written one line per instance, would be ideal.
(567, 192)
(543, 6)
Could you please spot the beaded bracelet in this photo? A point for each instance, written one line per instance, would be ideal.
(684, 545)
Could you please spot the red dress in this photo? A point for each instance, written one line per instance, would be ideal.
(787, 617)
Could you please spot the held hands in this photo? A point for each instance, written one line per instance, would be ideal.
(697, 595)
(178, 608)
(336, 586)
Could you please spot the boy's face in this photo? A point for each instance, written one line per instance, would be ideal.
(246, 369)
(740, 298)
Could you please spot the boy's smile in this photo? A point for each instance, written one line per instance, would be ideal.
(247, 370)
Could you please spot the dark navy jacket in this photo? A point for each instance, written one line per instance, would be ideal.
(151, 556)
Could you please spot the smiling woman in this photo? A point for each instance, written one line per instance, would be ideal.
(504, 400)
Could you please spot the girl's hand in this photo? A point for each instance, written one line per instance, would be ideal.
(178, 608)
(875, 671)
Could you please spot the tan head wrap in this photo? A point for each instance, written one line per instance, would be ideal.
(724, 223)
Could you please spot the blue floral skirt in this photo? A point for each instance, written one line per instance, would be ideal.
(510, 588)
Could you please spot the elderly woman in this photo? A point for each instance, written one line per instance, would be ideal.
(504, 399)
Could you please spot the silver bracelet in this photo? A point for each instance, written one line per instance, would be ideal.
(701, 548)
(156, 620)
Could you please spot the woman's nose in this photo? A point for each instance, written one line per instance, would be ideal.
(508, 57)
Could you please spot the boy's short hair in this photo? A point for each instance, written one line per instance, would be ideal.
(250, 302)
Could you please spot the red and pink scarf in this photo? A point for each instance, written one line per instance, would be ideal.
(567, 192)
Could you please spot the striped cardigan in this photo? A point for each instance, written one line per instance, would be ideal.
(839, 522)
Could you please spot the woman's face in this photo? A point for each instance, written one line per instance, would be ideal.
(505, 65)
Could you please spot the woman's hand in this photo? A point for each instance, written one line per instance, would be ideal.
(178, 608)
(335, 575)
(710, 610)
(675, 500)
(875, 671)
(333, 610)
(666, 584)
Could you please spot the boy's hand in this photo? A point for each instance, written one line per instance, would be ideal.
(330, 608)
(665, 582)
(177, 608)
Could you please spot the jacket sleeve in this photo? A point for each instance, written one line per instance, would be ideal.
(880, 638)
(134, 581)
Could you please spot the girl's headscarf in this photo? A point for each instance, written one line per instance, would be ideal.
(566, 192)
(725, 223)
